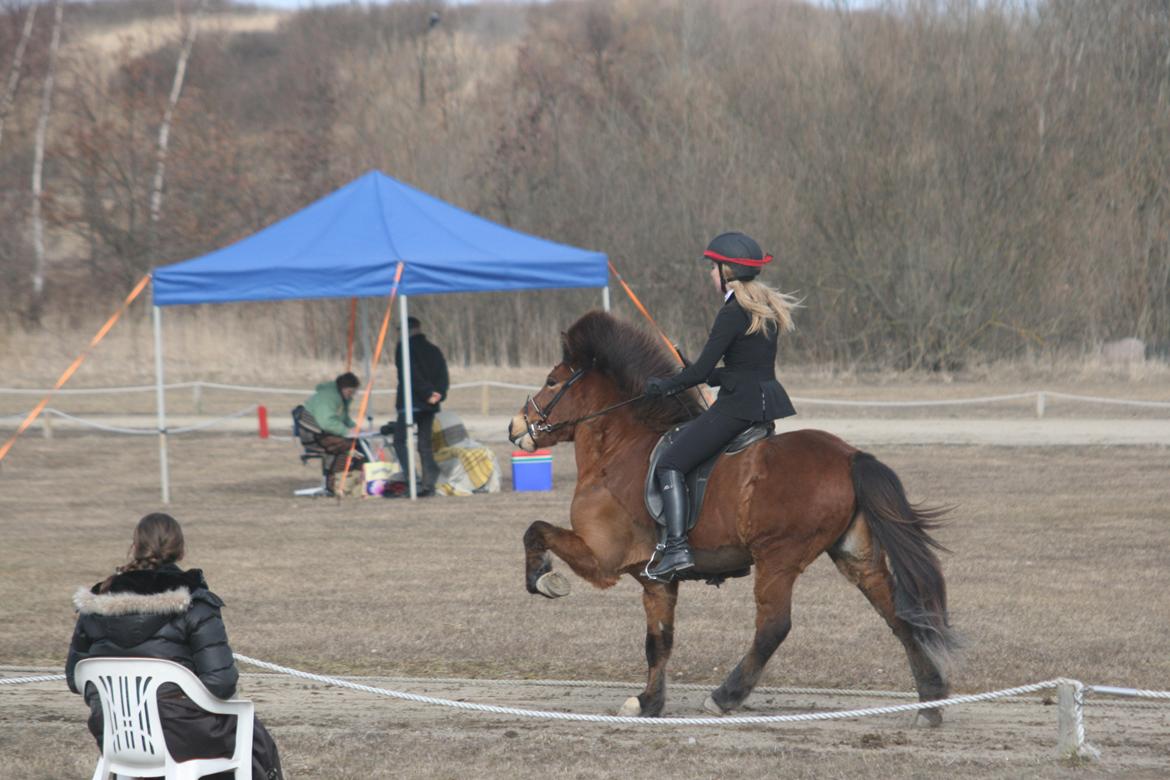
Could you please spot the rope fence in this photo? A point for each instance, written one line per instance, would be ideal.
(1070, 703)
(1040, 398)
(83, 422)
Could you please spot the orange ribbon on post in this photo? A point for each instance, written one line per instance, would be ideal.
(69, 372)
(373, 366)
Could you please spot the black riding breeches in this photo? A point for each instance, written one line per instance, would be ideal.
(700, 440)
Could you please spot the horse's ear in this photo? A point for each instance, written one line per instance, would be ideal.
(565, 357)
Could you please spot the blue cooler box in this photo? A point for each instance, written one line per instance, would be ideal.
(531, 470)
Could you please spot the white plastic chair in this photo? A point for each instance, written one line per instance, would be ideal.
(133, 739)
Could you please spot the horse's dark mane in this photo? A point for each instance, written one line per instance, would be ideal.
(629, 357)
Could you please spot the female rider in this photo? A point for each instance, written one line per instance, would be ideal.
(744, 335)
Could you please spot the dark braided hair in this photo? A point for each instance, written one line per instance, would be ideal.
(158, 540)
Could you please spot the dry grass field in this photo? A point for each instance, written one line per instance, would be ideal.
(1060, 567)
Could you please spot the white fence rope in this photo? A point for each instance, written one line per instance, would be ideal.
(1136, 693)
(629, 720)
(204, 425)
(34, 679)
(147, 431)
(1034, 395)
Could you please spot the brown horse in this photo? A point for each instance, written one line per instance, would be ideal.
(776, 506)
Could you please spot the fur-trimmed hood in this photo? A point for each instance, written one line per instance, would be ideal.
(171, 602)
(137, 605)
(167, 590)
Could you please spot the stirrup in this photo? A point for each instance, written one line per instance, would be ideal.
(668, 576)
(658, 549)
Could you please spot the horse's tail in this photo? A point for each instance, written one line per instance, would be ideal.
(900, 530)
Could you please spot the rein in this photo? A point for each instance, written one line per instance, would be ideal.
(545, 428)
(542, 426)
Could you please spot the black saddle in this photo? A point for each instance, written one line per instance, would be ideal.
(697, 477)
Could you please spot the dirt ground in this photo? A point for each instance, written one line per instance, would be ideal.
(1060, 567)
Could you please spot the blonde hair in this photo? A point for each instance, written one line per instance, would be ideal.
(766, 305)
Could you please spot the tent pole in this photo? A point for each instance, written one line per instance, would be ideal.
(365, 335)
(407, 396)
(605, 298)
(160, 396)
(365, 327)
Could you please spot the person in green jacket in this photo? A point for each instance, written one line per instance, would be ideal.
(329, 409)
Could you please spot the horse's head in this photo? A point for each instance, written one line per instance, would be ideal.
(548, 417)
(604, 367)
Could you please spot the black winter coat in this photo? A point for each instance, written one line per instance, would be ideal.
(747, 381)
(163, 613)
(428, 374)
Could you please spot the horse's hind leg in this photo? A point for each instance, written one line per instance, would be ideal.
(855, 559)
(540, 539)
(659, 600)
(773, 588)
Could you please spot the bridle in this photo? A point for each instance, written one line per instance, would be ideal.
(543, 426)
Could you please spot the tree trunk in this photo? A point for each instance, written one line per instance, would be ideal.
(39, 162)
(17, 63)
(164, 130)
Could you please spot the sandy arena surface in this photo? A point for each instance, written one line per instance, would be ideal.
(1060, 567)
(998, 739)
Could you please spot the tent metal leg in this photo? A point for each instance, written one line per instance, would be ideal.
(160, 398)
(407, 396)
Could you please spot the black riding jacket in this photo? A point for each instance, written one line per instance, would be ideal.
(162, 613)
(747, 381)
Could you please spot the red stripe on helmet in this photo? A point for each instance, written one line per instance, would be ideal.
(737, 260)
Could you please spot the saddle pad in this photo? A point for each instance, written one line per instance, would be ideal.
(697, 478)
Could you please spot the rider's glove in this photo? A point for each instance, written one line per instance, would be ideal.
(657, 387)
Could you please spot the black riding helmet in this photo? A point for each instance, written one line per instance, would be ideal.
(741, 252)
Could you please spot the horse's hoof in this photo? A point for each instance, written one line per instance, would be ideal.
(552, 585)
(631, 709)
(713, 708)
(932, 717)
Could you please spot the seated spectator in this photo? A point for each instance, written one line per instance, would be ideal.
(150, 608)
(329, 408)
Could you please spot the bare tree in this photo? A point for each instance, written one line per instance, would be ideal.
(39, 161)
(164, 129)
(17, 63)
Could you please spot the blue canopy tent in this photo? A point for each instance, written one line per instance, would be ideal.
(349, 244)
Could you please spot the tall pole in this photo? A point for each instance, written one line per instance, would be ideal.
(160, 401)
(605, 298)
(407, 396)
(365, 336)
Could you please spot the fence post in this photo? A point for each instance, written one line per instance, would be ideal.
(484, 398)
(1070, 703)
(1040, 405)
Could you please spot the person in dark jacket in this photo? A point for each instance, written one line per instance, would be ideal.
(744, 336)
(150, 608)
(428, 389)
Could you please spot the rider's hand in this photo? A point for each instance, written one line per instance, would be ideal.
(434, 398)
(656, 387)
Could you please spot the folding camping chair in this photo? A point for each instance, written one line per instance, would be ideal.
(308, 433)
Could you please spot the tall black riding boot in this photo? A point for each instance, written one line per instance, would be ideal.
(675, 555)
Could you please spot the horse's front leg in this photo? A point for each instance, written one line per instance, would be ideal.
(659, 600)
(540, 539)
